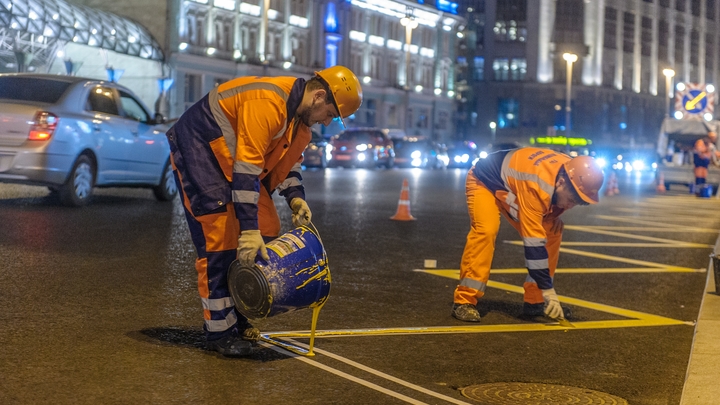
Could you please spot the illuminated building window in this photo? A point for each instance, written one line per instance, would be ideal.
(331, 24)
(508, 113)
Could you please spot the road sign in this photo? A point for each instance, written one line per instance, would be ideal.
(694, 101)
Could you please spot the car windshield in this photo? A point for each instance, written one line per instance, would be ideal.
(357, 136)
(32, 89)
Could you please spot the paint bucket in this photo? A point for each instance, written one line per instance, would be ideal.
(705, 191)
(296, 276)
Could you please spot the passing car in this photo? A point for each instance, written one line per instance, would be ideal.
(315, 154)
(463, 155)
(412, 151)
(72, 134)
(362, 147)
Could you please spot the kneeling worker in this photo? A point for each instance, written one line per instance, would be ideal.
(531, 187)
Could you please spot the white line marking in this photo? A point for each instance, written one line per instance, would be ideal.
(346, 375)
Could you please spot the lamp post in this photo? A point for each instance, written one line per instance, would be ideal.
(410, 24)
(669, 74)
(570, 58)
(493, 128)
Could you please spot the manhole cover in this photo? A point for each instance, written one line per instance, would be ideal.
(516, 393)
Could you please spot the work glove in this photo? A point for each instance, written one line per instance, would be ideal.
(301, 212)
(249, 243)
(553, 309)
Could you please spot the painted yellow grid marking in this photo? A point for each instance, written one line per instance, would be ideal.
(635, 318)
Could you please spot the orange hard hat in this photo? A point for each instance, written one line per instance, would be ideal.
(586, 177)
(345, 89)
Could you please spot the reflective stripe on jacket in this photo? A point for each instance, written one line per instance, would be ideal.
(523, 181)
(242, 134)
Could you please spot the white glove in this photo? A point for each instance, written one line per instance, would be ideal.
(301, 212)
(552, 304)
(249, 243)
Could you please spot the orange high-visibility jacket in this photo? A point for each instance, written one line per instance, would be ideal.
(242, 134)
(523, 182)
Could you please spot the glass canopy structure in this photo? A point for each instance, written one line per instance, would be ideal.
(32, 31)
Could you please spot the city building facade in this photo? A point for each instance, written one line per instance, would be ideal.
(402, 50)
(513, 80)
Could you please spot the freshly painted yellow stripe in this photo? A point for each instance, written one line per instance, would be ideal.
(647, 321)
(581, 270)
(679, 245)
(652, 229)
(621, 259)
(659, 222)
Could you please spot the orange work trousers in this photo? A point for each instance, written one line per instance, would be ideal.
(485, 210)
(215, 236)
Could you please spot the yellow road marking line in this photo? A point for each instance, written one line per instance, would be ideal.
(638, 237)
(585, 270)
(655, 229)
(621, 259)
(638, 221)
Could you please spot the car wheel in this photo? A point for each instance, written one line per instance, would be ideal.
(78, 187)
(167, 189)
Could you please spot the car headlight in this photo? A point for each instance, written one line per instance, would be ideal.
(601, 162)
(416, 154)
(483, 155)
(638, 165)
(362, 147)
(361, 156)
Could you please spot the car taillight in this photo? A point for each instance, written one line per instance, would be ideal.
(43, 126)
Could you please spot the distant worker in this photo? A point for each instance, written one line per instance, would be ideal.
(531, 187)
(704, 153)
(230, 151)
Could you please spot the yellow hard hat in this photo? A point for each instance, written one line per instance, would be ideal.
(586, 177)
(345, 89)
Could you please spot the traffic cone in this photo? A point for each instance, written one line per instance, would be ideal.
(403, 210)
(616, 190)
(660, 188)
(611, 188)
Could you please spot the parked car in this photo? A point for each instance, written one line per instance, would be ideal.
(420, 152)
(463, 155)
(315, 154)
(362, 147)
(72, 134)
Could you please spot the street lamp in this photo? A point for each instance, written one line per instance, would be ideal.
(669, 74)
(570, 58)
(410, 24)
(493, 128)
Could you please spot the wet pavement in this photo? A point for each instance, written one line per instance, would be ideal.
(100, 303)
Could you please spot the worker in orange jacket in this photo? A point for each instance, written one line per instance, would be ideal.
(230, 151)
(704, 153)
(531, 187)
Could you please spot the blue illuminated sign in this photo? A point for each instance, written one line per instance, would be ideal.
(448, 6)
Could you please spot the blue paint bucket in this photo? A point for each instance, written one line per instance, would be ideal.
(296, 276)
(705, 191)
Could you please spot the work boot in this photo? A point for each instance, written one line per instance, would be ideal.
(230, 346)
(533, 310)
(249, 332)
(466, 312)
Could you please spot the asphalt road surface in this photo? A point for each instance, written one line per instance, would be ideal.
(99, 304)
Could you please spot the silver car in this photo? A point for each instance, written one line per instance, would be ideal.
(72, 134)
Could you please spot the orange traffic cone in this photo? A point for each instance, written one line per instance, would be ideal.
(611, 188)
(660, 188)
(403, 210)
